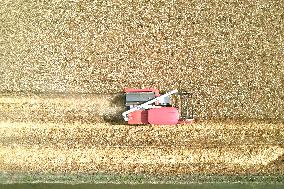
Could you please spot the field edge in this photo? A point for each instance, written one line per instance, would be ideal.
(103, 178)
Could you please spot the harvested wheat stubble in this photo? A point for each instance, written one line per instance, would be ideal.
(59, 145)
(229, 54)
(101, 147)
(137, 160)
(86, 108)
(66, 135)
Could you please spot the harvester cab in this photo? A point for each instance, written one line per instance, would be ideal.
(148, 106)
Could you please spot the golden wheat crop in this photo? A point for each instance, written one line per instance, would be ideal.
(230, 54)
(60, 60)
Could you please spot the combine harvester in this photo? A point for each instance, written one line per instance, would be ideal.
(148, 106)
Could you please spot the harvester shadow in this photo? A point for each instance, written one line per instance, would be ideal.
(116, 118)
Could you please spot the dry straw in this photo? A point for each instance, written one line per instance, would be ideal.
(66, 147)
(138, 160)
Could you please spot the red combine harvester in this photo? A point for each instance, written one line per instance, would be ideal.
(148, 106)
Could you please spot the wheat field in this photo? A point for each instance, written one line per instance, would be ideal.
(63, 65)
(229, 54)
